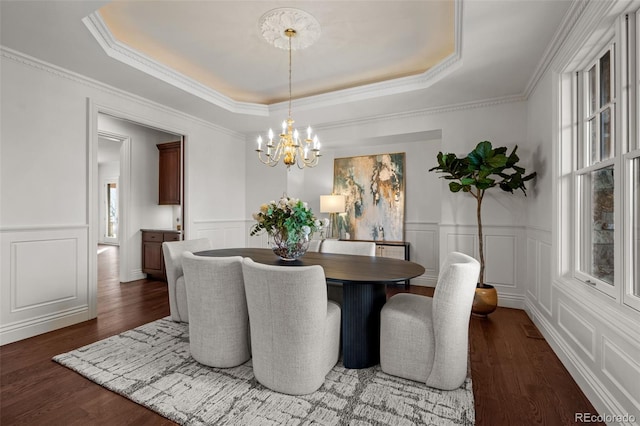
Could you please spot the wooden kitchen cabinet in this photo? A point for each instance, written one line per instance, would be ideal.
(152, 258)
(170, 166)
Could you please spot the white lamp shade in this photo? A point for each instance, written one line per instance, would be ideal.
(332, 204)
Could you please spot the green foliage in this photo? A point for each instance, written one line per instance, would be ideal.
(483, 168)
(289, 216)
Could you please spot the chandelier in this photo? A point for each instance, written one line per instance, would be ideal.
(290, 147)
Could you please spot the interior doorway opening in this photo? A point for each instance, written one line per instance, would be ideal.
(128, 190)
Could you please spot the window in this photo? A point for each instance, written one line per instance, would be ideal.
(596, 171)
(601, 221)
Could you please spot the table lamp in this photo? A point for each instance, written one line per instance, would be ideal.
(333, 204)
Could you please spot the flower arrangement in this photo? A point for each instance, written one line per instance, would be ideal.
(290, 222)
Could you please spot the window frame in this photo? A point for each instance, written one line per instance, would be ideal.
(584, 166)
(575, 166)
(631, 160)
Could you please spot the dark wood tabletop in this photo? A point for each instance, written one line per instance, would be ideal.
(338, 267)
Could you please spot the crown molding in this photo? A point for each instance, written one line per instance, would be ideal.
(588, 18)
(121, 52)
(40, 65)
(564, 30)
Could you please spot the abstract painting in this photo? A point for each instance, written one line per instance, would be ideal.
(375, 190)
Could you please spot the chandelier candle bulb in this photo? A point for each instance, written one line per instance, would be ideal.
(309, 132)
(259, 144)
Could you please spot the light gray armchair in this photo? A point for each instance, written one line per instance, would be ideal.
(314, 245)
(218, 318)
(360, 248)
(426, 339)
(295, 330)
(173, 265)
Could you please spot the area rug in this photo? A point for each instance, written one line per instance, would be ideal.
(151, 366)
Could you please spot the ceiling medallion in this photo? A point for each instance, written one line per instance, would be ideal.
(273, 24)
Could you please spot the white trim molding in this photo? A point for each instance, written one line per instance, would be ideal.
(127, 55)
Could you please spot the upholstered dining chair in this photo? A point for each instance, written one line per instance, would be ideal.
(426, 339)
(295, 330)
(218, 318)
(314, 245)
(360, 248)
(172, 251)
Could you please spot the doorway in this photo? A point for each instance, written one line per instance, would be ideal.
(112, 163)
(129, 192)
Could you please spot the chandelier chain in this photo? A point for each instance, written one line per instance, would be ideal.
(290, 37)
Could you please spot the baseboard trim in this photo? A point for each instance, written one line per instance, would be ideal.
(513, 301)
(135, 275)
(603, 401)
(34, 326)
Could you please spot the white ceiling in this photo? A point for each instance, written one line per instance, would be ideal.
(475, 50)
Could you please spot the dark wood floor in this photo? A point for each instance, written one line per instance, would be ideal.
(517, 380)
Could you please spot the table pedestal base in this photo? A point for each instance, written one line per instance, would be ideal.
(361, 306)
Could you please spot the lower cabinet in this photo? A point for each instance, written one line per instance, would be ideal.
(152, 258)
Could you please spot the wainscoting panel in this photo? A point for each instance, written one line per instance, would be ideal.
(221, 233)
(533, 288)
(504, 256)
(54, 279)
(44, 280)
(501, 255)
(463, 243)
(577, 328)
(543, 275)
(623, 369)
(424, 250)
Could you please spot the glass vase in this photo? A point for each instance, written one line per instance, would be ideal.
(288, 249)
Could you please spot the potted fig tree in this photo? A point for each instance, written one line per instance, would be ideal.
(482, 169)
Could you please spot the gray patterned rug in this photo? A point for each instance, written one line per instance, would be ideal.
(151, 366)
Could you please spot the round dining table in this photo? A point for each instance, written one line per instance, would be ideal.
(363, 281)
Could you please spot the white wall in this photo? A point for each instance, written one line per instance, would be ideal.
(49, 180)
(597, 339)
